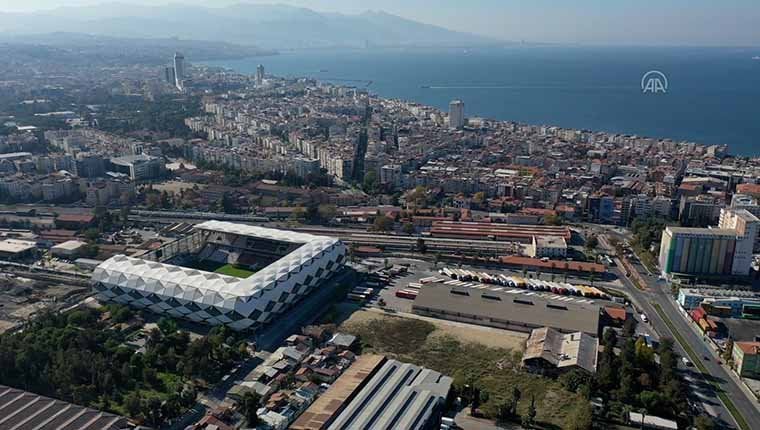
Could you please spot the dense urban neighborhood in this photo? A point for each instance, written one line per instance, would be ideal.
(187, 247)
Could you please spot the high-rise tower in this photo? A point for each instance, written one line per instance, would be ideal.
(179, 69)
(456, 114)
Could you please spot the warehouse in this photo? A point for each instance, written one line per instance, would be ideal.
(15, 250)
(507, 308)
(399, 396)
(495, 231)
(548, 351)
(24, 410)
(70, 249)
(340, 394)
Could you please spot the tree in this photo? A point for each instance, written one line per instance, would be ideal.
(92, 234)
(530, 417)
(227, 203)
(703, 422)
(629, 327)
(516, 395)
(382, 223)
(581, 417)
(475, 399)
(553, 219)
(644, 354)
(408, 228)
(167, 326)
(417, 197)
(573, 380)
(592, 242)
(421, 246)
(370, 185)
(326, 212)
(151, 410)
(132, 403)
(248, 407)
(479, 198)
(650, 400)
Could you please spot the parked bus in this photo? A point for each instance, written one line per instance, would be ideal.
(357, 297)
(406, 294)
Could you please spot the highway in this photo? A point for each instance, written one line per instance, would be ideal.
(702, 386)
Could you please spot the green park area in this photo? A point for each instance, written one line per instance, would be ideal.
(107, 359)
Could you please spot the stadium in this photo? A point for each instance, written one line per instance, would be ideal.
(222, 273)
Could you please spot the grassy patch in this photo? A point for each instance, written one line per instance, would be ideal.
(234, 270)
(494, 370)
(647, 258)
(697, 362)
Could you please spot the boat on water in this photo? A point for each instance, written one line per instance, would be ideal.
(756, 58)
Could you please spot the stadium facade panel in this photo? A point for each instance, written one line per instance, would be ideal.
(214, 298)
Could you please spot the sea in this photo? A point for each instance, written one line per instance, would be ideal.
(704, 95)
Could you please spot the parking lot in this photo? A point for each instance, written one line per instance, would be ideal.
(414, 270)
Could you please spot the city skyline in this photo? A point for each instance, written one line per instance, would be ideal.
(582, 22)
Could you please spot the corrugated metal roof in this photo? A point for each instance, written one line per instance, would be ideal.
(399, 396)
(22, 410)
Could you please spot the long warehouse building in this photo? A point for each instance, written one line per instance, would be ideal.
(496, 231)
(399, 396)
(507, 308)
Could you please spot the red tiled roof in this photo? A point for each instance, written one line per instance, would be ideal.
(751, 348)
(85, 218)
(575, 266)
(508, 231)
(615, 313)
(751, 189)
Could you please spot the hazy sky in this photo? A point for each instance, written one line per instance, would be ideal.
(644, 22)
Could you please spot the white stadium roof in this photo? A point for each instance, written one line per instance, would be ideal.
(171, 288)
(260, 232)
(226, 286)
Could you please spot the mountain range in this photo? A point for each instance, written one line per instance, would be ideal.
(272, 26)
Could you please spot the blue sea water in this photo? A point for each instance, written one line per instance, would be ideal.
(713, 94)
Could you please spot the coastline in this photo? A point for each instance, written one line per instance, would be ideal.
(730, 150)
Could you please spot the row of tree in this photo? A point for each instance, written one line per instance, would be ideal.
(636, 379)
(77, 357)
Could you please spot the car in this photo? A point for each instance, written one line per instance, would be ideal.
(706, 358)
(686, 362)
(644, 318)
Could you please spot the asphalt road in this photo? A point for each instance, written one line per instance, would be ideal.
(701, 391)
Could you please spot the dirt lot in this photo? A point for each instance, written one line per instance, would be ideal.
(465, 333)
(176, 186)
(486, 358)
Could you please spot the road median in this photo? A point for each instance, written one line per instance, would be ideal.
(701, 367)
